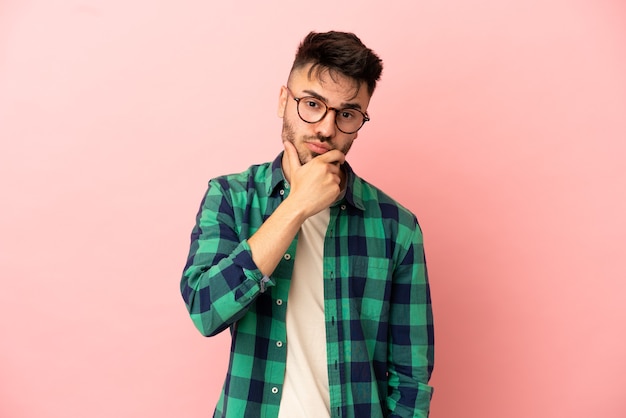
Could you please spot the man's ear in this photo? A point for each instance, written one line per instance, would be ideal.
(282, 101)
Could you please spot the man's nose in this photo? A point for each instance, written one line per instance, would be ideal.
(327, 127)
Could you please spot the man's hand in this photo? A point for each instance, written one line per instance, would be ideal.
(316, 184)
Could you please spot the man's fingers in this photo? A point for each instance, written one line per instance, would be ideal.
(333, 157)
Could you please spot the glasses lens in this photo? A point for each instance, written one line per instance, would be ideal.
(349, 120)
(311, 109)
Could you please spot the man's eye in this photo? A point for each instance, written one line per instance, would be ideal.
(313, 104)
(348, 114)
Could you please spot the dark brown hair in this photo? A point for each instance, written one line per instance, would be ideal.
(339, 52)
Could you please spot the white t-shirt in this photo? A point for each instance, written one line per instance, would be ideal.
(305, 391)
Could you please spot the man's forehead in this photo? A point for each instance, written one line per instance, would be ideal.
(333, 81)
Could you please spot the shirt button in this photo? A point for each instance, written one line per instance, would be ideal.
(279, 302)
(287, 256)
(274, 390)
(279, 344)
(343, 207)
(282, 192)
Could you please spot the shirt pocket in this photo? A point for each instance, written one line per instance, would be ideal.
(370, 287)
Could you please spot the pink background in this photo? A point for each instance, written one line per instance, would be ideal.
(502, 124)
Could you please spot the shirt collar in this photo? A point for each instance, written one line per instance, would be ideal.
(354, 184)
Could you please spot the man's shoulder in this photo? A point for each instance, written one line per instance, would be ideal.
(252, 171)
(374, 196)
(255, 175)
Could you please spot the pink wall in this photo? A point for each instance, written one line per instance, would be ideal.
(501, 124)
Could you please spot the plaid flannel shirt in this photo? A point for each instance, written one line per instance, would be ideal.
(379, 329)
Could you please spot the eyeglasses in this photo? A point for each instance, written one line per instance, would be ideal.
(312, 110)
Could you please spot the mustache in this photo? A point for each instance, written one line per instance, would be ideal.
(319, 137)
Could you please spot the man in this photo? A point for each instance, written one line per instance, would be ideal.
(319, 276)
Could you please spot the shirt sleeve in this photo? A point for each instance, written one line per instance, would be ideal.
(411, 339)
(220, 279)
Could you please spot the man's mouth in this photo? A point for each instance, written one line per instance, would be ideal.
(317, 147)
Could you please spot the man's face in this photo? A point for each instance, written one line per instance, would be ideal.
(338, 91)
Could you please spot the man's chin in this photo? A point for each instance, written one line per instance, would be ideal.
(307, 157)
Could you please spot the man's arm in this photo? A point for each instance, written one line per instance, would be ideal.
(220, 279)
(411, 346)
(224, 274)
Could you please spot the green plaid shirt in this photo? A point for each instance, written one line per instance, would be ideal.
(379, 327)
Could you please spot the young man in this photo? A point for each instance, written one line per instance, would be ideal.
(319, 276)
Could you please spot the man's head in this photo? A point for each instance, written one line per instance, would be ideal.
(336, 73)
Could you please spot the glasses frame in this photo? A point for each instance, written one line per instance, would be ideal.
(366, 118)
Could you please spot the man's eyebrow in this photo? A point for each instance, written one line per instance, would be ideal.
(325, 100)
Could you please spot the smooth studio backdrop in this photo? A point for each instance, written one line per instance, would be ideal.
(501, 124)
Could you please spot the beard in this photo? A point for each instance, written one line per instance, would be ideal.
(305, 155)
